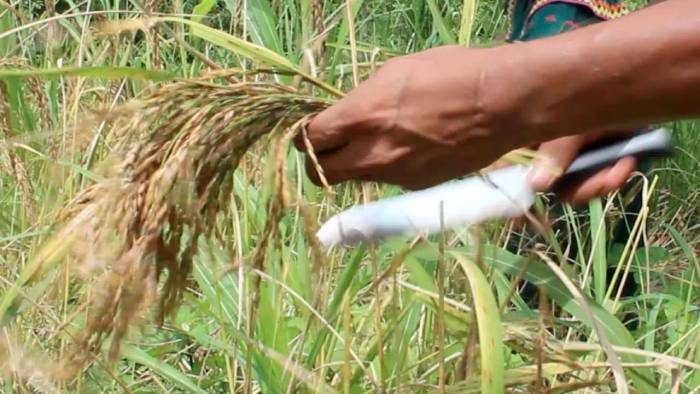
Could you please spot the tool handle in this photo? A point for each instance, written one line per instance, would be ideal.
(651, 144)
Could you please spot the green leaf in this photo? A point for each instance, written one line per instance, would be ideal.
(655, 255)
(441, 24)
(522, 375)
(271, 326)
(341, 37)
(467, 23)
(262, 24)
(202, 9)
(6, 23)
(488, 321)
(540, 275)
(410, 319)
(72, 166)
(419, 275)
(221, 295)
(598, 242)
(21, 116)
(171, 374)
(694, 378)
(344, 282)
(28, 234)
(684, 245)
(234, 44)
(91, 72)
(305, 19)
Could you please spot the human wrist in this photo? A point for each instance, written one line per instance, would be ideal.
(620, 74)
(555, 93)
(509, 91)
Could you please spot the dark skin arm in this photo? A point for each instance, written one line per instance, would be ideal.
(429, 117)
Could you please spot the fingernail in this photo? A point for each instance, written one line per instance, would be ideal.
(540, 178)
(543, 175)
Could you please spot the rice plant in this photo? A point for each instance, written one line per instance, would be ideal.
(158, 233)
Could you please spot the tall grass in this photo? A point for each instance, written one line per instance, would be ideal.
(124, 184)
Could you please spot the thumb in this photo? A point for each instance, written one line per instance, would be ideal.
(553, 158)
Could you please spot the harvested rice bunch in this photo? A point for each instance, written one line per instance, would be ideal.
(169, 177)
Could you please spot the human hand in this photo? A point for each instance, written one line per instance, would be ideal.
(422, 119)
(555, 156)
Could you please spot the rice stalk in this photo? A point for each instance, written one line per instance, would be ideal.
(10, 162)
(169, 176)
(172, 173)
(317, 15)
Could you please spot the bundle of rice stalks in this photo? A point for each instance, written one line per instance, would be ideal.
(167, 178)
(171, 173)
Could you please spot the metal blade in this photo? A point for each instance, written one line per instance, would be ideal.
(501, 193)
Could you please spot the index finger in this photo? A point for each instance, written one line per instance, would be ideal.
(323, 132)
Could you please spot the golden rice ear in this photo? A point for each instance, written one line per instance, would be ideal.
(18, 362)
(164, 187)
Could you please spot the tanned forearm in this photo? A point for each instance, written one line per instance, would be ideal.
(435, 115)
(639, 69)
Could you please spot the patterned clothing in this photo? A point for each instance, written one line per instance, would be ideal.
(531, 19)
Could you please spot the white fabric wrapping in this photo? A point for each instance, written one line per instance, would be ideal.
(502, 193)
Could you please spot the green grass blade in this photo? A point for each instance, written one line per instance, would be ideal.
(694, 378)
(256, 53)
(6, 24)
(20, 236)
(202, 9)
(540, 275)
(488, 321)
(78, 169)
(262, 25)
(684, 245)
(234, 44)
(467, 24)
(166, 371)
(344, 282)
(305, 20)
(598, 246)
(221, 292)
(90, 72)
(441, 24)
(221, 296)
(47, 257)
(21, 115)
(341, 38)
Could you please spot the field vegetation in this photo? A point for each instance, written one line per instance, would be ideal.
(157, 230)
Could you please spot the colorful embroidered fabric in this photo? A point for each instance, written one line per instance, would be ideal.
(529, 19)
